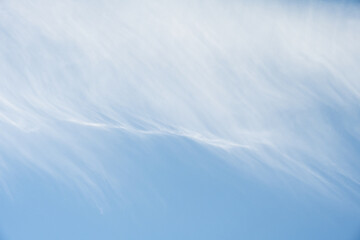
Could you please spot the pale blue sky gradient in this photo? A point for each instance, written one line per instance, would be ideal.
(179, 120)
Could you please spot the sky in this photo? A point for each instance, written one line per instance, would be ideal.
(178, 119)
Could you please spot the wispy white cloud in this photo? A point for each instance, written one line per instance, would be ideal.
(275, 79)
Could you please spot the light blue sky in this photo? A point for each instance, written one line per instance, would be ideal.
(179, 120)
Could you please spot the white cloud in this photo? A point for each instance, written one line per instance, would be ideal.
(278, 80)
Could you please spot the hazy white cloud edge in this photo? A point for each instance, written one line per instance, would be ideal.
(277, 80)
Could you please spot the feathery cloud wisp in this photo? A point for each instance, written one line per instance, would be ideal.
(278, 80)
